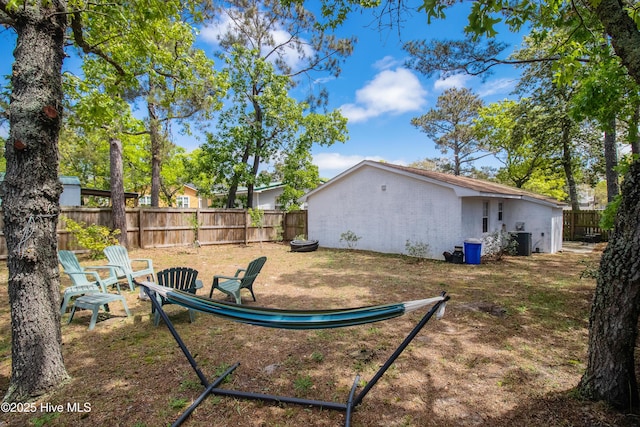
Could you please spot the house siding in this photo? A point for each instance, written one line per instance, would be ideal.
(387, 205)
(385, 219)
(267, 199)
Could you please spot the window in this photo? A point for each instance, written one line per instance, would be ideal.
(485, 217)
(182, 201)
(144, 201)
(500, 211)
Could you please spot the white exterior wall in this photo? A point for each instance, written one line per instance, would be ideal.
(406, 209)
(71, 194)
(266, 200)
(541, 221)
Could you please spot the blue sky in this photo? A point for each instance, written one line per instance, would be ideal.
(376, 92)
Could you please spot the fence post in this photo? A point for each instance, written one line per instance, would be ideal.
(140, 230)
(197, 236)
(246, 227)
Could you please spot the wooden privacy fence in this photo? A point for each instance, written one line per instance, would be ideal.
(583, 225)
(167, 227)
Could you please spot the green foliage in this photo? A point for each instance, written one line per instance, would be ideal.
(195, 226)
(417, 249)
(350, 239)
(178, 403)
(450, 126)
(262, 123)
(93, 237)
(608, 218)
(303, 384)
(279, 233)
(257, 217)
(45, 419)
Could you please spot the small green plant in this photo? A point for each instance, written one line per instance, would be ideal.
(45, 419)
(279, 233)
(221, 369)
(190, 385)
(257, 217)
(178, 403)
(417, 249)
(93, 237)
(350, 239)
(317, 356)
(303, 384)
(195, 226)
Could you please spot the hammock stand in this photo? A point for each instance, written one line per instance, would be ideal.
(353, 400)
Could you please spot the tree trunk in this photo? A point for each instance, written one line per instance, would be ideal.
(634, 136)
(30, 202)
(613, 323)
(611, 161)
(118, 204)
(567, 164)
(610, 373)
(156, 153)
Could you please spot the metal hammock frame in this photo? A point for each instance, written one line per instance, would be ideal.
(353, 399)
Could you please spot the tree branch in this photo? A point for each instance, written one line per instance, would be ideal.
(78, 36)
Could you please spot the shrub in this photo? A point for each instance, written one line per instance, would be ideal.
(350, 238)
(417, 249)
(93, 237)
(499, 243)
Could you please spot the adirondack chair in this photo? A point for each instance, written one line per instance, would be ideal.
(182, 278)
(83, 281)
(231, 285)
(118, 257)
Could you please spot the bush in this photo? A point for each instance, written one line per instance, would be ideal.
(350, 238)
(94, 237)
(417, 249)
(499, 243)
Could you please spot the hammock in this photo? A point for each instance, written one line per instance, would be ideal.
(288, 319)
(292, 319)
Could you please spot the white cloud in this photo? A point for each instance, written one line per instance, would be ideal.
(332, 164)
(390, 92)
(497, 86)
(212, 32)
(385, 63)
(457, 80)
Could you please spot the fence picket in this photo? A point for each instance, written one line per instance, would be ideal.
(168, 227)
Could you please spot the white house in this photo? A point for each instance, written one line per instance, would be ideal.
(265, 197)
(387, 205)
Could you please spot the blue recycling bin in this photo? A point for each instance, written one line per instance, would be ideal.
(472, 251)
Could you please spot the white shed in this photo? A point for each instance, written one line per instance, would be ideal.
(388, 205)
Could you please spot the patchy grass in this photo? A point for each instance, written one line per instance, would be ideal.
(509, 351)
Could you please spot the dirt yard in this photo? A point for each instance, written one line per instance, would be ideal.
(509, 351)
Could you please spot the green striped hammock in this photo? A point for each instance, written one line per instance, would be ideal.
(292, 319)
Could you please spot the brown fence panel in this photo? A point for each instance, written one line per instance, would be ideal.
(295, 225)
(165, 227)
(583, 225)
(219, 226)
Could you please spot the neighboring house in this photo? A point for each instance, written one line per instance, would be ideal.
(264, 197)
(388, 205)
(185, 198)
(70, 195)
(71, 191)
